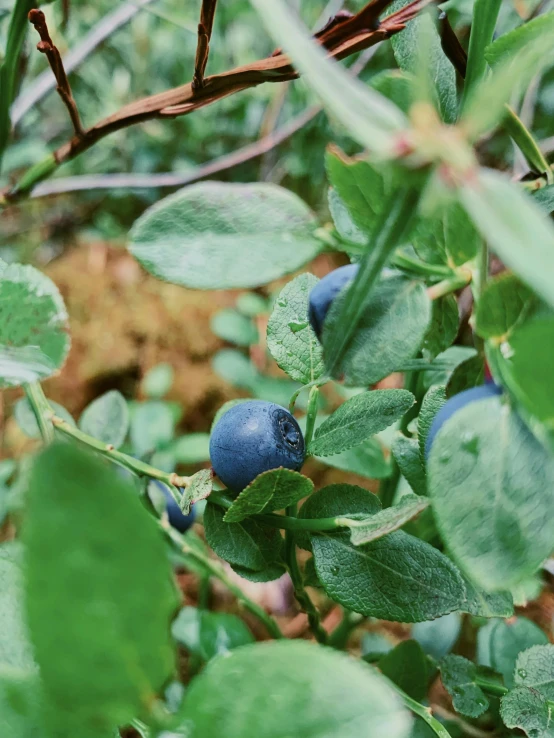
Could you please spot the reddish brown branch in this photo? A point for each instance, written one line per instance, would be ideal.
(203, 47)
(341, 40)
(46, 46)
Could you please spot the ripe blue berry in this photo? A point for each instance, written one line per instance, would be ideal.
(176, 518)
(253, 437)
(457, 403)
(325, 292)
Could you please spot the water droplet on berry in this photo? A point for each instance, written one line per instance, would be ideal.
(297, 325)
(522, 673)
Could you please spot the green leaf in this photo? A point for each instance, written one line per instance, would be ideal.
(248, 545)
(368, 117)
(26, 420)
(194, 448)
(358, 419)
(85, 584)
(509, 45)
(34, 341)
(458, 676)
(406, 46)
(508, 639)
(504, 302)
(446, 236)
(231, 697)
(470, 373)
(438, 637)
(432, 403)
(157, 381)
(397, 577)
(525, 362)
(272, 490)
(385, 521)
(487, 604)
(235, 368)
(390, 331)
(397, 86)
(362, 188)
(208, 634)
(490, 483)
(406, 665)
(290, 337)
(107, 418)
(545, 199)
(232, 326)
(444, 326)
(15, 648)
(535, 669)
(198, 488)
(217, 235)
(346, 228)
(406, 454)
(527, 709)
(485, 15)
(152, 426)
(19, 704)
(516, 228)
(367, 460)
(251, 304)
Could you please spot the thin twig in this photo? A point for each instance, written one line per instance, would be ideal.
(341, 41)
(45, 82)
(46, 46)
(203, 45)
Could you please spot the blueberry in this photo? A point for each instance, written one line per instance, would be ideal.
(325, 292)
(176, 518)
(254, 437)
(457, 403)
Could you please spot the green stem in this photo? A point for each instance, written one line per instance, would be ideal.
(447, 286)
(388, 491)
(218, 572)
(41, 409)
(35, 174)
(498, 690)
(398, 213)
(339, 637)
(403, 261)
(313, 403)
(315, 383)
(525, 141)
(425, 714)
(303, 598)
(9, 69)
(284, 522)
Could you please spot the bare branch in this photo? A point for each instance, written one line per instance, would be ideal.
(46, 46)
(45, 82)
(203, 47)
(341, 41)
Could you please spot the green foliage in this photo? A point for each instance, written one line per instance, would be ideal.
(443, 328)
(290, 337)
(157, 381)
(459, 676)
(432, 403)
(489, 480)
(221, 236)
(385, 521)
(76, 504)
(407, 666)
(508, 46)
(198, 488)
(107, 419)
(505, 302)
(406, 454)
(391, 330)
(232, 326)
(33, 326)
(20, 704)
(208, 634)
(359, 418)
(252, 549)
(26, 420)
(508, 639)
(526, 709)
(272, 490)
(397, 577)
(15, 649)
(231, 696)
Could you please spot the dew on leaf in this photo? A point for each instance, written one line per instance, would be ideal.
(282, 302)
(335, 570)
(522, 673)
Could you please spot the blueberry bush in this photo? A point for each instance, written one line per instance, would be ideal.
(436, 334)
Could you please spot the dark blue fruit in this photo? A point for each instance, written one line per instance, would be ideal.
(325, 292)
(457, 403)
(176, 518)
(254, 437)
